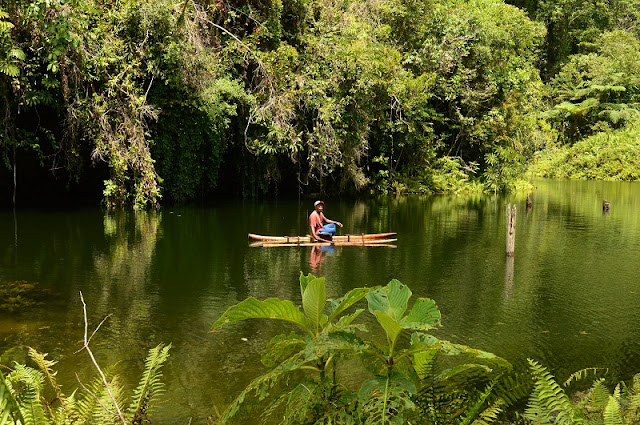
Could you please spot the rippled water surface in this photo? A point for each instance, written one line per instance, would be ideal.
(569, 299)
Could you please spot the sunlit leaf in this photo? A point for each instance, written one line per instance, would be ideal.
(391, 299)
(313, 300)
(271, 308)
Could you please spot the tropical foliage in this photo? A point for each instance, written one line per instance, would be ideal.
(183, 100)
(32, 395)
(549, 402)
(603, 156)
(397, 376)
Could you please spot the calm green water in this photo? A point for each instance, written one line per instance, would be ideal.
(570, 299)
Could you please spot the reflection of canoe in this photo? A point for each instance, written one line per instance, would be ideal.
(363, 238)
(303, 242)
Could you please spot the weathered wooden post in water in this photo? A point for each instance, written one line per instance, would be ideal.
(511, 230)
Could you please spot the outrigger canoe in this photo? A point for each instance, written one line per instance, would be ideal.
(371, 239)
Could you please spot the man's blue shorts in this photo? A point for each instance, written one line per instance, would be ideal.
(328, 229)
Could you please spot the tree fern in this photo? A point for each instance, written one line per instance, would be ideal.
(150, 385)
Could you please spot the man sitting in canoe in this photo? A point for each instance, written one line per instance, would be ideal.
(318, 231)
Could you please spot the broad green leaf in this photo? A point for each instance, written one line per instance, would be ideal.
(352, 297)
(326, 343)
(280, 346)
(390, 326)
(391, 299)
(304, 281)
(313, 300)
(345, 321)
(423, 316)
(271, 308)
(457, 375)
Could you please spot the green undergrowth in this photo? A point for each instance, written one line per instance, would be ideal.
(611, 156)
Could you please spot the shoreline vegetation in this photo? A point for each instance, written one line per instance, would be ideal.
(140, 102)
(412, 380)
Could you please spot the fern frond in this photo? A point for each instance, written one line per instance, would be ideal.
(150, 385)
(439, 405)
(598, 396)
(95, 405)
(513, 388)
(489, 415)
(479, 413)
(612, 414)
(67, 413)
(45, 367)
(633, 400)
(27, 384)
(548, 403)
(281, 346)
(582, 374)
(9, 411)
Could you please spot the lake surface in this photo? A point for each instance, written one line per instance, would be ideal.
(570, 299)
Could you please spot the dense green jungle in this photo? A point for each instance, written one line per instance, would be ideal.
(138, 102)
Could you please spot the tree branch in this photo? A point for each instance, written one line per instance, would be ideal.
(95, 363)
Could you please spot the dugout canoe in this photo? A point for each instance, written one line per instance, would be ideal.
(362, 238)
(362, 242)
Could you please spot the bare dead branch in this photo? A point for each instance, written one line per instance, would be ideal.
(95, 363)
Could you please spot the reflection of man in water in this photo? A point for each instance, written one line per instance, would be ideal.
(318, 254)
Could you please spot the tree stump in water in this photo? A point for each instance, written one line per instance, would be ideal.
(511, 230)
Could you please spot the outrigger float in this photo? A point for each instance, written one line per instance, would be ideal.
(370, 239)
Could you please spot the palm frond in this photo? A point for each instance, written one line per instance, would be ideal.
(150, 385)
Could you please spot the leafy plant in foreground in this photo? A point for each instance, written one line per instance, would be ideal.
(550, 404)
(391, 395)
(326, 338)
(23, 400)
(435, 385)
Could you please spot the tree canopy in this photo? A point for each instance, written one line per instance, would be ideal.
(174, 101)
